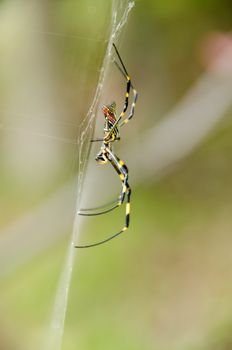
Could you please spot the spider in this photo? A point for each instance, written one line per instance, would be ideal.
(112, 125)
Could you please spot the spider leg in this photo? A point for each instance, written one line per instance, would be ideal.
(100, 207)
(126, 102)
(122, 72)
(134, 101)
(99, 212)
(120, 59)
(98, 140)
(128, 87)
(122, 171)
(120, 69)
(116, 203)
(125, 121)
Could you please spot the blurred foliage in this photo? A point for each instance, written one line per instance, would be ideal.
(167, 283)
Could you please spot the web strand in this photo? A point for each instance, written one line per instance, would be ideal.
(120, 12)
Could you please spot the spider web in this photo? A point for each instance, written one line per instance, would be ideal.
(119, 16)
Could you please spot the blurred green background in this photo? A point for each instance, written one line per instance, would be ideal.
(167, 283)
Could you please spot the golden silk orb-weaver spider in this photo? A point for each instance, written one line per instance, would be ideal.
(112, 125)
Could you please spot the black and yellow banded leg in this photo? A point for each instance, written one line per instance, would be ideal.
(125, 121)
(126, 192)
(124, 72)
(114, 204)
(121, 169)
(128, 86)
(134, 100)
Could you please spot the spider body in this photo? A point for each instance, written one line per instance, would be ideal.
(112, 125)
(110, 134)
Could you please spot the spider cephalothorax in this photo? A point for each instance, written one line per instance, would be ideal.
(110, 118)
(107, 155)
(110, 112)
